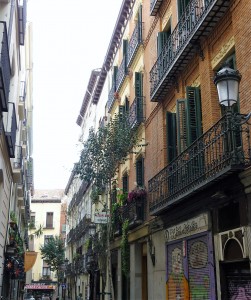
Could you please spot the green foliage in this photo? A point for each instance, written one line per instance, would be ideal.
(104, 150)
(13, 217)
(125, 249)
(53, 253)
(95, 195)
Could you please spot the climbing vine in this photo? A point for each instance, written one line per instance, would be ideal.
(125, 249)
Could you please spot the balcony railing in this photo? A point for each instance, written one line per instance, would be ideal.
(134, 212)
(4, 68)
(135, 42)
(10, 128)
(111, 97)
(198, 20)
(154, 7)
(122, 73)
(18, 161)
(22, 13)
(222, 150)
(137, 112)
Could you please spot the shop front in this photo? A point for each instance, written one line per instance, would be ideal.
(39, 290)
(189, 260)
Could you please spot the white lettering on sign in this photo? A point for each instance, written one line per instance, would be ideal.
(190, 227)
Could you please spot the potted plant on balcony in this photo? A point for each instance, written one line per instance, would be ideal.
(137, 194)
(13, 220)
(122, 197)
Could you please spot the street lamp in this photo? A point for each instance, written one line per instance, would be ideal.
(66, 261)
(227, 82)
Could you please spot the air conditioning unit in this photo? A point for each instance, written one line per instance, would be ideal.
(236, 237)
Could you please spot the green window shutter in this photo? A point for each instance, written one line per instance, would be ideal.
(181, 125)
(140, 23)
(171, 133)
(138, 84)
(161, 40)
(121, 112)
(182, 4)
(115, 71)
(140, 172)
(125, 50)
(194, 118)
(127, 106)
(125, 183)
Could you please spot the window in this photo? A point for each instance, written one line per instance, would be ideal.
(125, 183)
(47, 238)
(32, 222)
(63, 227)
(46, 270)
(49, 220)
(184, 126)
(140, 172)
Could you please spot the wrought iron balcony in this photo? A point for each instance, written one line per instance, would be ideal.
(224, 149)
(111, 97)
(122, 73)
(22, 15)
(198, 20)
(137, 112)
(134, 212)
(10, 128)
(134, 43)
(154, 7)
(18, 165)
(4, 68)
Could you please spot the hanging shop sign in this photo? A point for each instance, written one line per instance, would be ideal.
(39, 287)
(192, 226)
(101, 218)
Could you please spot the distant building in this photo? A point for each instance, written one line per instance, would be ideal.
(47, 212)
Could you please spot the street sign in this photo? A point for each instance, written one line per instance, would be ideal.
(63, 285)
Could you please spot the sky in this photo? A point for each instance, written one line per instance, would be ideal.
(70, 39)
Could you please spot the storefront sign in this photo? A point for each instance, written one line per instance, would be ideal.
(39, 287)
(101, 218)
(190, 227)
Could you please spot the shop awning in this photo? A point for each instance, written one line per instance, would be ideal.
(39, 287)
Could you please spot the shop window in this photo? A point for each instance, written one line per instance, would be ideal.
(229, 217)
(49, 220)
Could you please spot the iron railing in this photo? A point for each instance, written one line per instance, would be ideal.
(122, 73)
(111, 97)
(18, 161)
(22, 94)
(22, 16)
(134, 212)
(224, 148)
(135, 41)
(137, 112)
(154, 6)
(189, 23)
(5, 71)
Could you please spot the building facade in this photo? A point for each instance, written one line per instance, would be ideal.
(16, 164)
(180, 202)
(47, 214)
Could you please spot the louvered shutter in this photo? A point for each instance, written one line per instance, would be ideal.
(200, 268)
(125, 183)
(161, 40)
(115, 71)
(140, 172)
(193, 110)
(126, 105)
(140, 24)
(138, 84)
(125, 50)
(171, 134)
(177, 287)
(121, 112)
(181, 125)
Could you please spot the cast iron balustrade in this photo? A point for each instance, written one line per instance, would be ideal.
(10, 128)
(136, 112)
(111, 97)
(5, 72)
(224, 149)
(117, 220)
(22, 13)
(18, 161)
(82, 226)
(154, 7)
(134, 212)
(198, 20)
(135, 42)
(70, 236)
(122, 73)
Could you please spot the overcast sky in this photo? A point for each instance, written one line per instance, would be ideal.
(70, 38)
